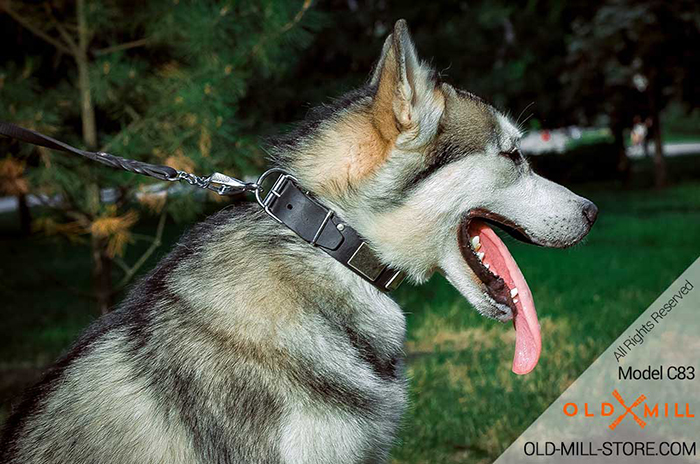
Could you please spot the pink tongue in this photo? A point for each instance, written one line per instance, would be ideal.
(528, 343)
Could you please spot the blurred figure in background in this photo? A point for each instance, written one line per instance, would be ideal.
(639, 134)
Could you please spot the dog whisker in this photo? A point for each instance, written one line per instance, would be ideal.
(523, 112)
(527, 118)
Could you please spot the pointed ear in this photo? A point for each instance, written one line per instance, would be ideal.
(405, 87)
(377, 72)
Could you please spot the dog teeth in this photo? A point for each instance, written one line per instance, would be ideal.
(487, 265)
(476, 244)
(515, 300)
(480, 255)
(513, 292)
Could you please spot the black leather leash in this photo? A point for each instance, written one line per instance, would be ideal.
(27, 135)
(286, 202)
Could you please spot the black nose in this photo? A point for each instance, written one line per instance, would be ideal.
(591, 212)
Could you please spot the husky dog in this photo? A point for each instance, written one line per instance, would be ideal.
(247, 345)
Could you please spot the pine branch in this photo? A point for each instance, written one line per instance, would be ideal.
(122, 265)
(142, 237)
(61, 30)
(37, 31)
(297, 17)
(133, 126)
(64, 206)
(120, 47)
(300, 14)
(130, 272)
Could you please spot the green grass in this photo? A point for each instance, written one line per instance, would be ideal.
(590, 137)
(681, 138)
(466, 405)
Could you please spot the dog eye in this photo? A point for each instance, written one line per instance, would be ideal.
(514, 155)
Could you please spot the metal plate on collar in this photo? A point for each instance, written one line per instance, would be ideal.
(395, 281)
(365, 262)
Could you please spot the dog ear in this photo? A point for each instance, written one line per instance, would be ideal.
(405, 88)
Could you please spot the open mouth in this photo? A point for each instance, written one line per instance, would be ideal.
(489, 258)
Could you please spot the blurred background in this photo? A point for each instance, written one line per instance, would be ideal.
(608, 92)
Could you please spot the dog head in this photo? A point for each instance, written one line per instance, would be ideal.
(420, 169)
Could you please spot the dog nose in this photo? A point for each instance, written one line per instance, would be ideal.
(591, 212)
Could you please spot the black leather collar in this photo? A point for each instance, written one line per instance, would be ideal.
(320, 227)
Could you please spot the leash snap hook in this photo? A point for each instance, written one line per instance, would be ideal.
(217, 182)
(226, 185)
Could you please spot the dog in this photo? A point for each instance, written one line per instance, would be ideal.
(247, 345)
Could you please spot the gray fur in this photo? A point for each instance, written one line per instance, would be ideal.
(239, 347)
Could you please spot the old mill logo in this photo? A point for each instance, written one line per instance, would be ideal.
(637, 411)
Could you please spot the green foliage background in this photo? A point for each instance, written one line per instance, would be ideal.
(177, 94)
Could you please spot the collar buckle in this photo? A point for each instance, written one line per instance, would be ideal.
(274, 192)
(321, 228)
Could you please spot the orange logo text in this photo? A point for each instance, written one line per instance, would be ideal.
(608, 409)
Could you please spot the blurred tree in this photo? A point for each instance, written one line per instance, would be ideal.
(13, 182)
(635, 56)
(160, 81)
(510, 53)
